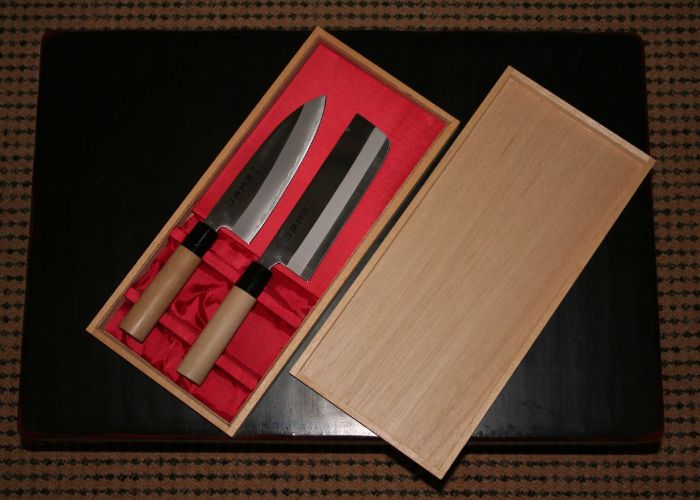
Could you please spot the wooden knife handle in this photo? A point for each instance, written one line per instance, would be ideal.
(154, 301)
(216, 335)
(200, 359)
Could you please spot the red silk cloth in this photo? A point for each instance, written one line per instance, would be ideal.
(287, 299)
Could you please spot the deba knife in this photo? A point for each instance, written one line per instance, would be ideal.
(243, 209)
(301, 242)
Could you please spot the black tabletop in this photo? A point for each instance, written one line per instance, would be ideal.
(128, 121)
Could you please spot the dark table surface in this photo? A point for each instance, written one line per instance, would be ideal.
(128, 121)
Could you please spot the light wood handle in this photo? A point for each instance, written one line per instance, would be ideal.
(144, 315)
(201, 357)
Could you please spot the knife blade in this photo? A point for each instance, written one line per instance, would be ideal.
(243, 208)
(301, 242)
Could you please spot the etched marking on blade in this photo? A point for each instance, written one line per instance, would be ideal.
(340, 205)
(281, 173)
(246, 184)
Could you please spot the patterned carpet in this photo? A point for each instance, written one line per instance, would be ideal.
(671, 34)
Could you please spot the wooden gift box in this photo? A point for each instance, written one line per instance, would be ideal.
(418, 131)
(493, 240)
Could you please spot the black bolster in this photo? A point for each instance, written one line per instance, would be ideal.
(254, 279)
(200, 239)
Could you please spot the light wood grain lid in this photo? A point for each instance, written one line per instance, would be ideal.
(436, 323)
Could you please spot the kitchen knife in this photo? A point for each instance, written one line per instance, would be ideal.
(243, 209)
(301, 242)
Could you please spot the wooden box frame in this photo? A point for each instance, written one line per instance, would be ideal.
(317, 37)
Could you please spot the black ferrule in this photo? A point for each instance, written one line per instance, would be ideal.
(200, 239)
(254, 279)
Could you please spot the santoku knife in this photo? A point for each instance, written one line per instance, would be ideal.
(301, 242)
(243, 209)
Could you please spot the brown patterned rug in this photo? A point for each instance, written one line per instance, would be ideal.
(671, 32)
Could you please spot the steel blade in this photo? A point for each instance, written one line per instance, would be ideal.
(255, 191)
(329, 200)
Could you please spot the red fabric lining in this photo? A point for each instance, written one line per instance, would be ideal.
(287, 299)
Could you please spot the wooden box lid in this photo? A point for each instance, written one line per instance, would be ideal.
(445, 310)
